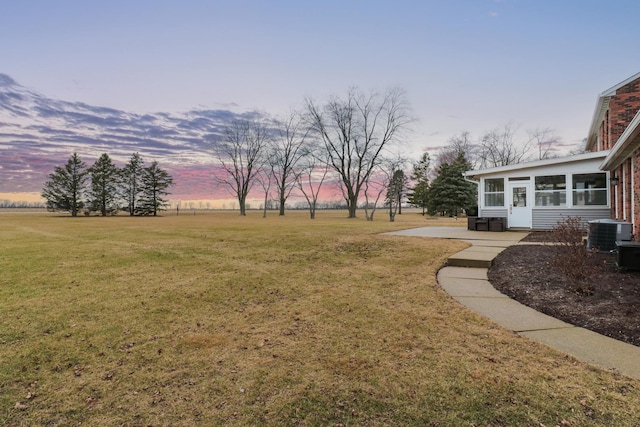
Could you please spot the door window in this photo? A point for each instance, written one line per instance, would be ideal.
(519, 197)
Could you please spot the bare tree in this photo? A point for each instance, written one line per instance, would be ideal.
(544, 139)
(355, 131)
(265, 178)
(310, 180)
(499, 148)
(462, 143)
(240, 154)
(388, 180)
(287, 148)
(580, 148)
(373, 190)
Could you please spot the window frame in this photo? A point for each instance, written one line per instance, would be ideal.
(603, 189)
(553, 193)
(497, 193)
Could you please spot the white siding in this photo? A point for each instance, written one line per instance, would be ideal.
(546, 219)
(493, 212)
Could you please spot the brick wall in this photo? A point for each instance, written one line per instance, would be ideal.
(625, 197)
(623, 106)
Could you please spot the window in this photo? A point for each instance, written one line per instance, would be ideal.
(590, 189)
(551, 190)
(494, 192)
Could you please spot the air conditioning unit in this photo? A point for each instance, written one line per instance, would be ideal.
(603, 233)
(628, 255)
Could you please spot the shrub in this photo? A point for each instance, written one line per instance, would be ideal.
(573, 260)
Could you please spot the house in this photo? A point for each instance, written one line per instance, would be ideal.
(536, 195)
(615, 128)
(602, 183)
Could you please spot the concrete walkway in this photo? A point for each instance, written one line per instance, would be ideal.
(465, 279)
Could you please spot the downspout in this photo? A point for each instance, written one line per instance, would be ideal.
(466, 178)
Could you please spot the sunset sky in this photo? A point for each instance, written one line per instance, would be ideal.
(469, 65)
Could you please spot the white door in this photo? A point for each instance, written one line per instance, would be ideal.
(519, 204)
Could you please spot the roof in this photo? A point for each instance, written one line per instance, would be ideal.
(628, 142)
(539, 163)
(602, 105)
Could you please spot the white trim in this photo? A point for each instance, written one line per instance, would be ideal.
(624, 193)
(633, 194)
(602, 105)
(613, 89)
(615, 201)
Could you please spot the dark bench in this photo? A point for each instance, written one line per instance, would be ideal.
(479, 223)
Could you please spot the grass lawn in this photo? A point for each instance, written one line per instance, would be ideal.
(215, 319)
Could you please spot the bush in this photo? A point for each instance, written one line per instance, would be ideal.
(574, 260)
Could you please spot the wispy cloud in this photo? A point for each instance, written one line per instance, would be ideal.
(38, 133)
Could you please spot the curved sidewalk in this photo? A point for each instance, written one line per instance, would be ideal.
(466, 281)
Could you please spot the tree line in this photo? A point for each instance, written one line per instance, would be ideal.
(353, 141)
(348, 139)
(107, 189)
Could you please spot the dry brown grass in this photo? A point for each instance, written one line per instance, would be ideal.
(215, 319)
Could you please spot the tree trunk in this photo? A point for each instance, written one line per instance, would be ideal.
(352, 204)
(264, 211)
(282, 200)
(241, 201)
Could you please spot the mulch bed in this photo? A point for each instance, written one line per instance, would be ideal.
(607, 301)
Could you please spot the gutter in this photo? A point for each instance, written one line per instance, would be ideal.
(471, 180)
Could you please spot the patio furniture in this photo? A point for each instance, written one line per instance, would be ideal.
(497, 224)
(471, 223)
(482, 224)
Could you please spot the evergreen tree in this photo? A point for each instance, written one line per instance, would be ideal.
(155, 182)
(131, 182)
(450, 193)
(103, 195)
(395, 192)
(66, 186)
(419, 192)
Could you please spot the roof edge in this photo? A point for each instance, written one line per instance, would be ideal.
(613, 89)
(537, 163)
(619, 152)
(599, 111)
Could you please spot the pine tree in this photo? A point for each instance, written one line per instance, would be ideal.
(66, 186)
(103, 195)
(418, 196)
(450, 194)
(131, 184)
(395, 193)
(155, 182)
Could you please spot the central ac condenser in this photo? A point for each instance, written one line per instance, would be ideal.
(603, 233)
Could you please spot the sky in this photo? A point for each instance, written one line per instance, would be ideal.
(466, 65)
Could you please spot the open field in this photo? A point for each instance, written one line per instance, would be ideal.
(215, 319)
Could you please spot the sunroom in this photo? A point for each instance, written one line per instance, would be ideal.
(536, 195)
